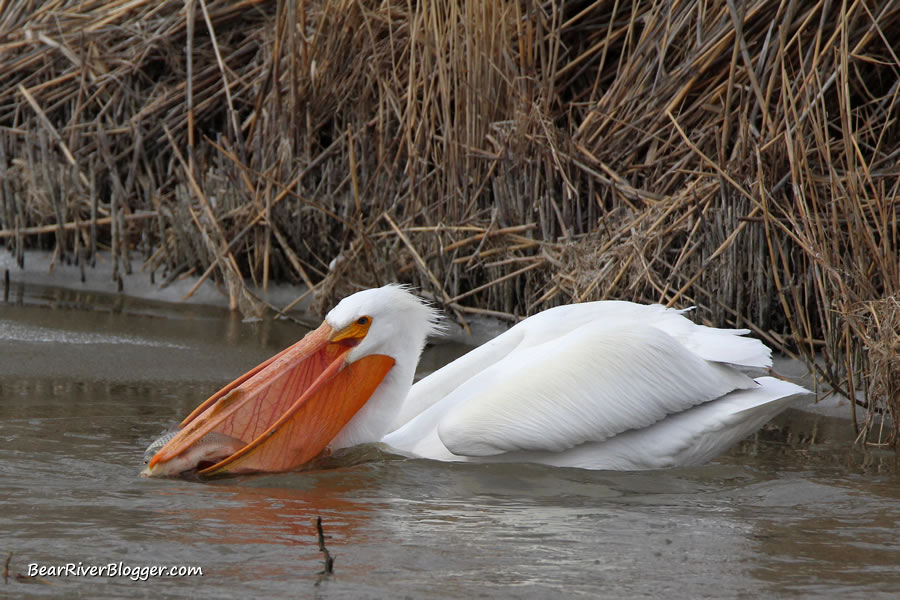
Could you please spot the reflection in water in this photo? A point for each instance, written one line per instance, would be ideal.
(794, 511)
(283, 516)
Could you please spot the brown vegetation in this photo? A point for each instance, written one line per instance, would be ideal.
(503, 156)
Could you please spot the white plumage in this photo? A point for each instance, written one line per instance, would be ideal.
(602, 385)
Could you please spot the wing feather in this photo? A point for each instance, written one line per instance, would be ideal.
(588, 385)
(689, 438)
(573, 375)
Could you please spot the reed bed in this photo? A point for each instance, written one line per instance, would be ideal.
(503, 156)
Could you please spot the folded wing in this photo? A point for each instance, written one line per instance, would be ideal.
(574, 375)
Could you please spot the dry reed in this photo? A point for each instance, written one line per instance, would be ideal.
(504, 156)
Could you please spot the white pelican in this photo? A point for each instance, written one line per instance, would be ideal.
(599, 385)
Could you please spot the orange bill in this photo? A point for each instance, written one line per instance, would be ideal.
(284, 412)
(312, 422)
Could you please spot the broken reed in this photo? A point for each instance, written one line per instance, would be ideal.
(502, 156)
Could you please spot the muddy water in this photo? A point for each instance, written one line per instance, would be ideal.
(87, 381)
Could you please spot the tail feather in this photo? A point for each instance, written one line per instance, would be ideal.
(711, 343)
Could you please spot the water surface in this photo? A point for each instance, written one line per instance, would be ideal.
(87, 381)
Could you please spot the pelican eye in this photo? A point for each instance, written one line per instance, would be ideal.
(352, 334)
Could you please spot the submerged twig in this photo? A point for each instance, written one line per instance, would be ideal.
(19, 577)
(329, 560)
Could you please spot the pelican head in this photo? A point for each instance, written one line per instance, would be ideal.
(339, 386)
(389, 320)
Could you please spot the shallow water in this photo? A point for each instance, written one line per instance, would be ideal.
(88, 380)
